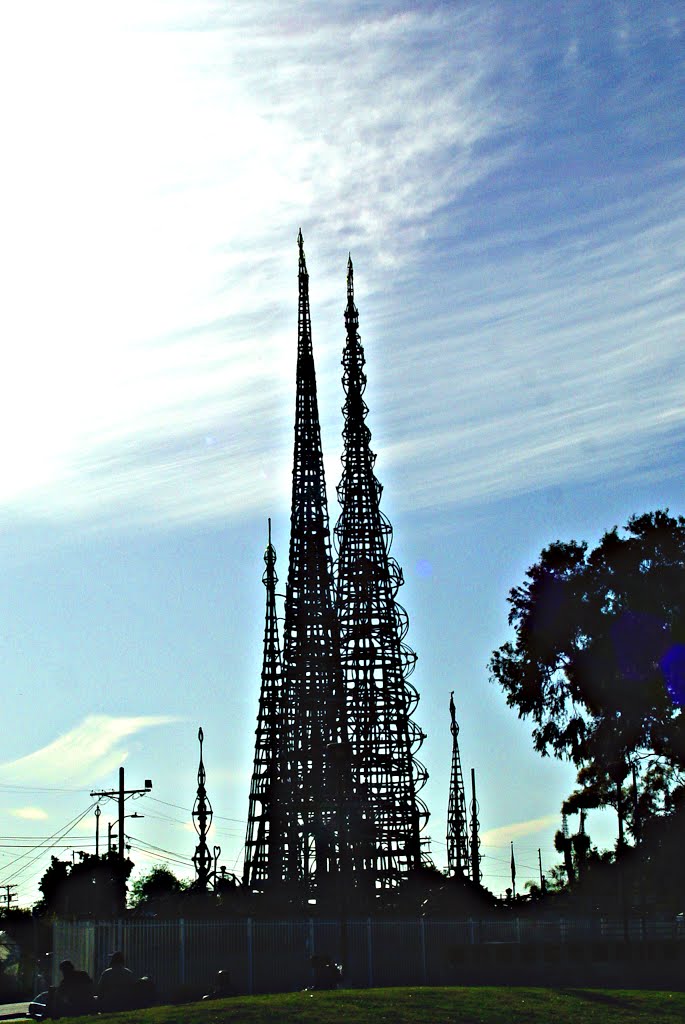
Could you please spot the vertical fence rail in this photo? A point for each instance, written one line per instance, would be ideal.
(250, 957)
(182, 951)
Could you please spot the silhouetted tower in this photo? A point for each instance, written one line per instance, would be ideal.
(385, 774)
(264, 838)
(314, 698)
(202, 819)
(458, 859)
(475, 828)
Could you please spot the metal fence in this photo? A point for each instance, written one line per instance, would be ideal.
(273, 956)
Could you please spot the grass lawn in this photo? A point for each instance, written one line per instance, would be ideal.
(425, 1006)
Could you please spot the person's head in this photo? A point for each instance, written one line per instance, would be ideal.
(117, 959)
(66, 967)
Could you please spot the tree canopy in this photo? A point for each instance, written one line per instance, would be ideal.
(159, 885)
(598, 661)
(91, 887)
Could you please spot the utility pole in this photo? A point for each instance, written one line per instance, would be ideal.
(120, 795)
(8, 896)
(542, 877)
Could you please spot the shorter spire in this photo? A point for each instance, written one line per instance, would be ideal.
(350, 279)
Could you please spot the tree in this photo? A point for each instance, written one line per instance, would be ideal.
(598, 664)
(159, 887)
(91, 887)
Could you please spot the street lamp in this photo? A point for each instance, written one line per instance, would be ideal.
(113, 824)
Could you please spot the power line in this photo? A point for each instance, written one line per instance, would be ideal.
(44, 848)
(178, 807)
(36, 839)
(161, 856)
(146, 847)
(54, 846)
(39, 789)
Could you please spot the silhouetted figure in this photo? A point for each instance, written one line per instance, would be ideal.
(73, 995)
(222, 986)
(116, 988)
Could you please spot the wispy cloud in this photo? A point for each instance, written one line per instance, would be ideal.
(507, 833)
(87, 752)
(173, 320)
(512, 274)
(28, 813)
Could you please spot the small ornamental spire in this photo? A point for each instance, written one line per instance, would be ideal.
(475, 829)
(457, 827)
(202, 819)
(350, 280)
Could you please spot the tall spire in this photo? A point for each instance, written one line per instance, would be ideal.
(386, 776)
(458, 860)
(263, 865)
(314, 700)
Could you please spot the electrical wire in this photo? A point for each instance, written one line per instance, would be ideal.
(145, 847)
(178, 807)
(43, 848)
(38, 789)
(159, 856)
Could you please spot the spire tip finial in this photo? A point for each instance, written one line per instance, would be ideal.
(350, 278)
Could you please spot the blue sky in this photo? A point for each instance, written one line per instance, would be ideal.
(509, 178)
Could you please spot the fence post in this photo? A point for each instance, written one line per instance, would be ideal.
(424, 972)
(250, 964)
(182, 950)
(369, 952)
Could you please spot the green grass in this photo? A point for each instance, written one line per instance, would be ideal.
(503, 1005)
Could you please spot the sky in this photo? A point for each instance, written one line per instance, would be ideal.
(509, 178)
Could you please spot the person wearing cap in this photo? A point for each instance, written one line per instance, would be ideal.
(116, 985)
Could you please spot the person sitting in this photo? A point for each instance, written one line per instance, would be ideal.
(116, 986)
(73, 995)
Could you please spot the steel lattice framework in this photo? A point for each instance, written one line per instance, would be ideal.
(458, 855)
(263, 864)
(385, 774)
(313, 693)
